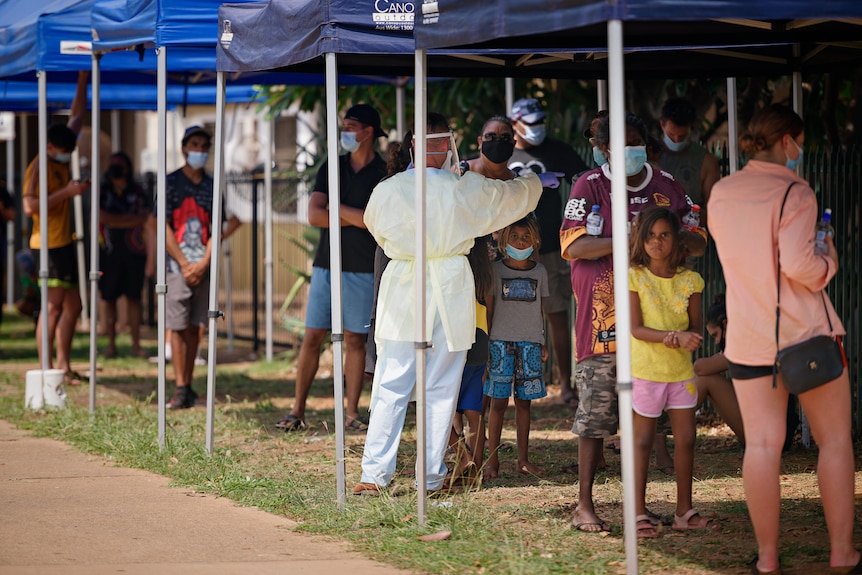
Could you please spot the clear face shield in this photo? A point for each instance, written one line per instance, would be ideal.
(452, 162)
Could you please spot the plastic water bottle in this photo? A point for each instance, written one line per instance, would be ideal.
(824, 227)
(691, 221)
(595, 222)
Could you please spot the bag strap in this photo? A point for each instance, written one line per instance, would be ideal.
(778, 302)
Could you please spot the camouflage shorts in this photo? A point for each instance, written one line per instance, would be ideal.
(598, 411)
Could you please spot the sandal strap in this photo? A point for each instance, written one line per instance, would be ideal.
(685, 517)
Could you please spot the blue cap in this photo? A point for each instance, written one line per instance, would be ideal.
(528, 110)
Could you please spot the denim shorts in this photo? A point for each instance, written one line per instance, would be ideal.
(357, 295)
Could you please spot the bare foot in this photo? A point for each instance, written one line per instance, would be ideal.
(528, 468)
(490, 473)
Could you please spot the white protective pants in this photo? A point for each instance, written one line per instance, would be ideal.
(394, 380)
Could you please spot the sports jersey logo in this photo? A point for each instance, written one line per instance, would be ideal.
(576, 209)
(661, 200)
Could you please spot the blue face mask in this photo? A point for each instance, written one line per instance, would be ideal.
(599, 157)
(534, 135)
(793, 164)
(674, 146)
(348, 141)
(197, 160)
(635, 159)
(63, 157)
(519, 255)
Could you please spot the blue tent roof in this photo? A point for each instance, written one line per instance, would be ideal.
(124, 23)
(22, 96)
(375, 37)
(303, 30)
(735, 24)
(64, 43)
(17, 35)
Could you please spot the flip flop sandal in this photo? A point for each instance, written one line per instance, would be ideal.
(74, 378)
(681, 523)
(646, 528)
(357, 423)
(756, 571)
(586, 526)
(290, 423)
(848, 569)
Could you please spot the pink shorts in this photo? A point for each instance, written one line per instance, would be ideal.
(650, 398)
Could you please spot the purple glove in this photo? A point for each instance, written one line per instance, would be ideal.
(551, 179)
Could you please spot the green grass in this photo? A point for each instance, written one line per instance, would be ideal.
(518, 525)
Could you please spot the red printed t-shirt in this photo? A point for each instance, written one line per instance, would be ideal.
(593, 280)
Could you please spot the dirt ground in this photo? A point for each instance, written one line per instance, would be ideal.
(718, 489)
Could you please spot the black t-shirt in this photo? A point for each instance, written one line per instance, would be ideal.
(549, 156)
(357, 244)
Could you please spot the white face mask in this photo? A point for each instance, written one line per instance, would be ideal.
(197, 160)
(534, 135)
(348, 141)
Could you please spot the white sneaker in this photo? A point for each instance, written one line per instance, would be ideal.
(200, 361)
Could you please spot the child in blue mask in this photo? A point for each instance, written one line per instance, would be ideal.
(517, 339)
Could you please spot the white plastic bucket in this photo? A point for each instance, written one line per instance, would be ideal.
(45, 389)
(33, 397)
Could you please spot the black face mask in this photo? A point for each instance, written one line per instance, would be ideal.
(497, 151)
(116, 171)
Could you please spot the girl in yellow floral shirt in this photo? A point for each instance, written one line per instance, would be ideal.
(666, 328)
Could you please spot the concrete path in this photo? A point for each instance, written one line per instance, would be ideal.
(62, 511)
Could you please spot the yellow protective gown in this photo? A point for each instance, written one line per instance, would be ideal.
(459, 209)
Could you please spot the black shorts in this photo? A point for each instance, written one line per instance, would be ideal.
(62, 266)
(739, 371)
(122, 275)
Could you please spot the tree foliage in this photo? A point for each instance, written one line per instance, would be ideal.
(830, 110)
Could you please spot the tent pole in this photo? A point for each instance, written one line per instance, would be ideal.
(215, 230)
(228, 295)
(267, 233)
(95, 196)
(116, 146)
(43, 213)
(78, 211)
(602, 94)
(798, 108)
(161, 206)
(510, 94)
(335, 267)
(732, 126)
(420, 343)
(399, 108)
(620, 211)
(10, 225)
(797, 85)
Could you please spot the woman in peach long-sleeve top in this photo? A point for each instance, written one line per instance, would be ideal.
(744, 222)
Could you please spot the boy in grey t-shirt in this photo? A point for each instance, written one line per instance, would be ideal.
(517, 336)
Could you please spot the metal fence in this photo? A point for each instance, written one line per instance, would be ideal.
(244, 269)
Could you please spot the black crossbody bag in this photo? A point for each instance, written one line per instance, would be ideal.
(813, 362)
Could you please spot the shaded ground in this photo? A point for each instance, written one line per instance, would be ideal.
(260, 394)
